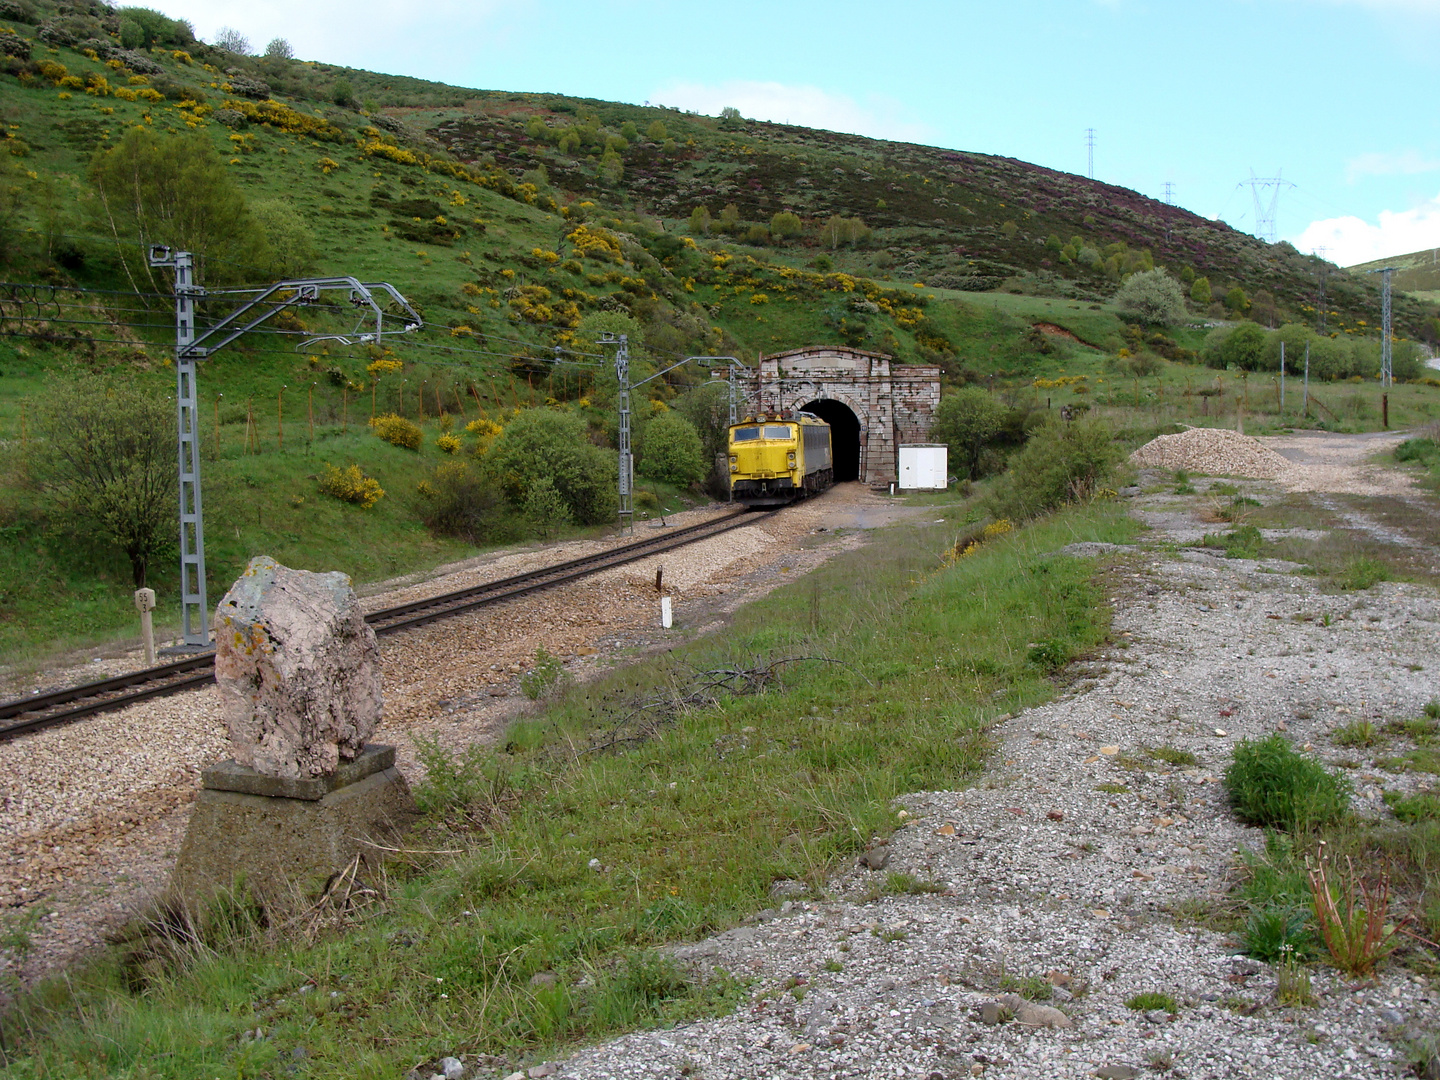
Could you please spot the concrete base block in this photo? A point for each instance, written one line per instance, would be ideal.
(286, 849)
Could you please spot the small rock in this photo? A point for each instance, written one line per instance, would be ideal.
(990, 1012)
(542, 978)
(516, 1076)
(876, 858)
(596, 865)
(1117, 1072)
(1391, 1016)
(1062, 995)
(1028, 1014)
(1157, 1016)
(1056, 815)
(535, 1072)
(1244, 966)
(452, 1068)
(788, 887)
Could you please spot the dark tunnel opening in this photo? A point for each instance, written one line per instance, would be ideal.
(844, 436)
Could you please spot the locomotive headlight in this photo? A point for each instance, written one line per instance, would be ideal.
(790, 459)
(734, 467)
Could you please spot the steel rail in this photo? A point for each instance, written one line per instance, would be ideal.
(106, 695)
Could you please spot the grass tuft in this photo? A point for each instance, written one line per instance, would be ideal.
(1270, 784)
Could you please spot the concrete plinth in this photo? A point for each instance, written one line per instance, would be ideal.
(287, 838)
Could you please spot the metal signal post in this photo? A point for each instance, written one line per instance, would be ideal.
(189, 349)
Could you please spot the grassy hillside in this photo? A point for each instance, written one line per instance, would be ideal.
(519, 225)
(1417, 273)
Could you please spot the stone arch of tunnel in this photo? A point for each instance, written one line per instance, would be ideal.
(844, 435)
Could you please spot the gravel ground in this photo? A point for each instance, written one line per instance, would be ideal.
(1044, 875)
(92, 814)
(1041, 874)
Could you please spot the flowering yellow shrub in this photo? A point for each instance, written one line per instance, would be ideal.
(49, 69)
(286, 119)
(1059, 381)
(398, 431)
(548, 256)
(998, 528)
(759, 298)
(327, 165)
(381, 367)
(150, 94)
(183, 56)
(352, 486)
(124, 93)
(72, 82)
(596, 243)
(448, 443)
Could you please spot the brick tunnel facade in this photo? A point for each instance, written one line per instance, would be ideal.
(891, 403)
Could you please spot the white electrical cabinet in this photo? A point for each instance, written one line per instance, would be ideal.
(924, 466)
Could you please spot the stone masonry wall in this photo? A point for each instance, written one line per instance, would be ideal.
(894, 403)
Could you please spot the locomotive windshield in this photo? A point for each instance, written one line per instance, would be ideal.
(770, 431)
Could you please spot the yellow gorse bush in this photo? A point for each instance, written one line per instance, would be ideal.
(398, 431)
(351, 485)
(448, 443)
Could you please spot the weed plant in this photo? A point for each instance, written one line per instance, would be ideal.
(1271, 784)
(1357, 733)
(1152, 999)
(581, 864)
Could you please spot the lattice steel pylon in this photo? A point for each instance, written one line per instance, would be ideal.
(191, 348)
(1386, 357)
(1265, 213)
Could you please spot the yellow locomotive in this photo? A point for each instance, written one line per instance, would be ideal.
(779, 458)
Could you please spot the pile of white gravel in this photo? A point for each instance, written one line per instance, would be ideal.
(1213, 452)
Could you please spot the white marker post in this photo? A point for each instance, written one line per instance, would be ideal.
(665, 616)
(145, 604)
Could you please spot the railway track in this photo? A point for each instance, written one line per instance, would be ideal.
(72, 703)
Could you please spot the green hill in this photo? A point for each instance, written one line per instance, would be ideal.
(1417, 273)
(520, 226)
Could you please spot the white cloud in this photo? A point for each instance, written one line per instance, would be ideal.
(808, 106)
(1404, 163)
(1418, 7)
(1351, 240)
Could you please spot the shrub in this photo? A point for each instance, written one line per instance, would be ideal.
(544, 678)
(1200, 292)
(544, 443)
(1063, 462)
(670, 450)
(398, 431)
(458, 501)
(1271, 784)
(1152, 296)
(965, 421)
(545, 508)
(351, 485)
(448, 443)
(784, 225)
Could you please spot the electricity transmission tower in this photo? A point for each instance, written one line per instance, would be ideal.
(1090, 152)
(1265, 211)
(1322, 300)
(1169, 201)
(191, 347)
(1385, 357)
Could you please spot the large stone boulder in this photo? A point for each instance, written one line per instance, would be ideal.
(298, 670)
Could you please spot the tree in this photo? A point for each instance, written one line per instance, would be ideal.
(105, 455)
(700, 221)
(729, 218)
(1200, 292)
(544, 443)
(343, 94)
(1152, 296)
(175, 190)
(288, 237)
(784, 225)
(657, 132)
(231, 40)
(730, 119)
(1237, 301)
(964, 421)
(839, 230)
(1243, 347)
(670, 450)
(279, 49)
(152, 28)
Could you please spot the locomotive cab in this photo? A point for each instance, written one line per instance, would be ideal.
(777, 459)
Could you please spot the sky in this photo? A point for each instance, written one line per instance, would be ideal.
(1336, 98)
